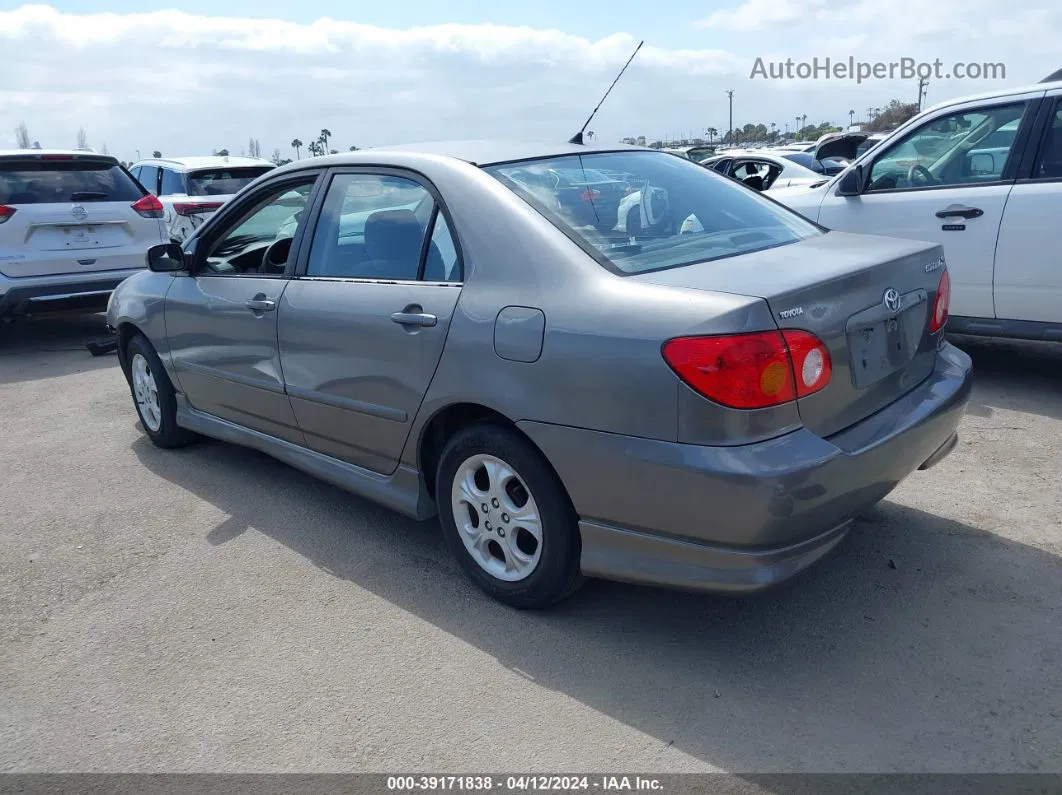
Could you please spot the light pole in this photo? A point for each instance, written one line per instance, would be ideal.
(923, 89)
(730, 96)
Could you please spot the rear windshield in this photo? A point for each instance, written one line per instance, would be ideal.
(223, 181)
(64, 181)
(652, 211)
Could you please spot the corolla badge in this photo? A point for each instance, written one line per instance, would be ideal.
(935, 265)
(891, 300)
(78, 212)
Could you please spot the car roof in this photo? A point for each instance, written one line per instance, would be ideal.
(203, 161)
(37, 153)
(476, 152)
(997, 94)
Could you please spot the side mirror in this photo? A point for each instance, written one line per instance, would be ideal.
(980, 163)
(165, 258)
(851, 183)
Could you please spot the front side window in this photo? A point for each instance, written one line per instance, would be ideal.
(258, 242)
(966, 148)
(64, 181)
(372, 226)
(223, 181)
(172, 183)
(655, 211)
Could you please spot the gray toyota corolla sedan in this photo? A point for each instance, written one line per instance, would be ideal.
(589, 361)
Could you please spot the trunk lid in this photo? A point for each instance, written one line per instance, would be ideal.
(836, 286)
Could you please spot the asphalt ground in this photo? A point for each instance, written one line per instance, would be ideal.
(211, 609)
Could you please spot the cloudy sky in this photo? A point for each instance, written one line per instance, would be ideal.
(220, 71)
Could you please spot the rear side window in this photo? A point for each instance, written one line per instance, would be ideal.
(172, 182)
(223, 181)
(65, 181)
(149, 178)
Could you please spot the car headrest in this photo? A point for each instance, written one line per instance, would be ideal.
(396, 237)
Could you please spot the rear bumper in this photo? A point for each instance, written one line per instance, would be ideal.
(37, 294)
(743, 518)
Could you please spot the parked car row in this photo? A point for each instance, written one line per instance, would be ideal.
(74, 223)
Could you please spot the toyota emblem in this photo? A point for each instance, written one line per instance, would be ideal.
(891, 300)
(78, 212)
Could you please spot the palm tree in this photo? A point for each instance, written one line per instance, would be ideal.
(296, 144)
(774, 130)
(851, 118)
(798, 127)
(325, 135)
(711, 132)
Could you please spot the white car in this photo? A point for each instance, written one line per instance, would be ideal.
(193, 188)
(73, 225)
(763, 170)
(982, 176)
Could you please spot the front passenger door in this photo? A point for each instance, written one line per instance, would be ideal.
(222, 320)
(945, 182)
(362, 326)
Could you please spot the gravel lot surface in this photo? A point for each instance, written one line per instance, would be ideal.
(210, 609)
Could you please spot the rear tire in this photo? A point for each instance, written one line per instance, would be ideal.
(507, 518)
(153, 395)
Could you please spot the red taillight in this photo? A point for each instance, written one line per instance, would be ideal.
(186, 208)
(746, 371)
(149, 207)
(812, 367)
(940, 306)
(6, 212)
(751, 371)
(590, 195)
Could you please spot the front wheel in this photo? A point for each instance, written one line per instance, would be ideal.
(154, 395)
(507, 518)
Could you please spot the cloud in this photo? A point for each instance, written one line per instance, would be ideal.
(184, 83)
(759, 14)
(189, 83)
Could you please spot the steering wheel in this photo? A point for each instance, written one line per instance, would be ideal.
(918, 168)
(275, 258)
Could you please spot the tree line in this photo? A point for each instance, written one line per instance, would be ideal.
(319, 145)
(878, 119)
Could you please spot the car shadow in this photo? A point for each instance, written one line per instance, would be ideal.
(1014, 375)
(47, 347)
(919, 639)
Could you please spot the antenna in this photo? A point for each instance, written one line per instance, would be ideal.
(578, 137)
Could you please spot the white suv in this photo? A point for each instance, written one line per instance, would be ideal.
(982, 176)
(73, 225)
(193, 188)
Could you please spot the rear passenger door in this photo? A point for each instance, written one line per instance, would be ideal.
(1028, 263)
(362, 326)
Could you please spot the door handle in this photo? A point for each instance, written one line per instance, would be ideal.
(261, 305)
(958, 211)
(414, 319)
